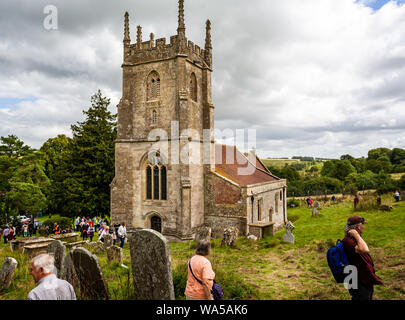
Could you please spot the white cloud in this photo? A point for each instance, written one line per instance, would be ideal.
(321, 78)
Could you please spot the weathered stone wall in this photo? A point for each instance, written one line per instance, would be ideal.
(219, 223)
(256, 231)
(226, 192)
(273, 209)
(220, 215)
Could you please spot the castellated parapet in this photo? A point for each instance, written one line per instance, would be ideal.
(152, 51)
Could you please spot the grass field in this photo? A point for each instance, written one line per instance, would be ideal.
(268, 268)
(279, 163)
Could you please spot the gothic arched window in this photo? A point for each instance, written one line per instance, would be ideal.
(259, 209)
(154, 116)
(163, 183)
(276, 202)
(148, 182)
(153, 86)
(156, 182)
(193, 87)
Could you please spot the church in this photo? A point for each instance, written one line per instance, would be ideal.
(166, 112)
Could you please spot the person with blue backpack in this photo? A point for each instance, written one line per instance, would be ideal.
(352, 253)
(358, 255)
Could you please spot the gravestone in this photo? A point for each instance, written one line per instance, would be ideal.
(288, 236)
(114, 253)
(97, 247)
(58, 251)
(203, 233)
(230, 236)
(108, 241)
(68, 272)
(151, 266)
(403, 195)
(315, 208)
(89, 275)
(7, 272)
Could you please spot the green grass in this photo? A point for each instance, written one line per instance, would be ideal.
(269, 268)
(279, 163)
(46, 217)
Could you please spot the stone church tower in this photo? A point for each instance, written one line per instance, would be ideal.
(166, 101)
(170, 175)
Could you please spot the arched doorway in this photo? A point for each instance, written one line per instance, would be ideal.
(156, 224)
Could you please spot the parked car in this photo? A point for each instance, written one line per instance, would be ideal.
(23, 219)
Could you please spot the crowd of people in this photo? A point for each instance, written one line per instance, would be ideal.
(88, 227)
(10, 232)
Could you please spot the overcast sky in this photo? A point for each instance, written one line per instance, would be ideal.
(313, 77)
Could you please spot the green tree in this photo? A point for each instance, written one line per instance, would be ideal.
(401, 182)
(54, 151)
(13, 147)
(56, 154)
(329, 168)
(343, 169)
(362, 181)
(398, 160)
(274, 170)
(22, 179)
(338, 169)
(374, 165)
(359, 164)
(378, 152)
(346, 157)
(82, 180)
(397, 155)
(290, 173)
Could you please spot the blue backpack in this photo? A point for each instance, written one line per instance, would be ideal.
(337, 261)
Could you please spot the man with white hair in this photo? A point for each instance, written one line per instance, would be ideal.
(49, 287)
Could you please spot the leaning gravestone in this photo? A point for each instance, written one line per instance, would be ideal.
(114, 253)
(230, 236)
(203, 233)
(89, 275)
(108, 241)
(68, 272)
(58, 251)
(7, 272)
(151, 266)
(95, 247)
(288, 236)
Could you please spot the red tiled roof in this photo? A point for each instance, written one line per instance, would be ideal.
(238, 168)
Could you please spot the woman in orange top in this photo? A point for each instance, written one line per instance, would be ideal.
(200, 288)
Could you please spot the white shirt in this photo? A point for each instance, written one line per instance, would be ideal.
(52, 288)
(103, 233)
(122, 231)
